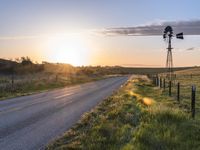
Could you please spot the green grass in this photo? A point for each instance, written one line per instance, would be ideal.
(186, 81)
(125, 121)
(165, 125)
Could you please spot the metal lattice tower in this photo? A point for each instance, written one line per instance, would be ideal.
(168, 34)
(169, 62)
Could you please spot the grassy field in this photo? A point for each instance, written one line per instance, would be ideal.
(32, 77)
(138, 116)
(33, 83)
(187, 78)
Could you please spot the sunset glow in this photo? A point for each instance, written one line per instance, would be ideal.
(70, 48)
(59, 31)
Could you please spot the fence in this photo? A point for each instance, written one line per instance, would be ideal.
(183, 89)
(21, 83)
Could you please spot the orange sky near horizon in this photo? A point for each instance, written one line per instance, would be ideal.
(84, 48)
(68, 31)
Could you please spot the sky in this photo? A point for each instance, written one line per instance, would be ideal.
(100, 32)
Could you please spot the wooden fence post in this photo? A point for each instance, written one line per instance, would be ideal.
(156, 81)
(160, 82)
(178, 92)
(164, 84)
(193, 98)
(12, 80)
(170, 88)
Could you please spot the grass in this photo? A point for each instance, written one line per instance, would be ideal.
(30, 78)
(187, 78)
(165, 125)
(108, 126)
(138, 116)
(29, 85)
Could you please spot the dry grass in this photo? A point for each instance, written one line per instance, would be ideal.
(33, 83)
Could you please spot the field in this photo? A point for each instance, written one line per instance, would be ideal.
(139, 116)
(28, 80)
(33, 83)
(187, 79)
(24, 77)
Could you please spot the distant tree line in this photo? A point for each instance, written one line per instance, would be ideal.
(25, 65)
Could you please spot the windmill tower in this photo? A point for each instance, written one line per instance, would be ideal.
(168, 34)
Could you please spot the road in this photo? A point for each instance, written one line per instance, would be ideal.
(31, 122)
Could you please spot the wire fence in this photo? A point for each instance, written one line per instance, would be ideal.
(22, 84)
(14, 83)
(183, 88)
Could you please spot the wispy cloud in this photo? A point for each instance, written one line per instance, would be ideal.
(193, 49)
(140, 65)
(18, 37)
(67, 34)
(191, 27)
(190, 49)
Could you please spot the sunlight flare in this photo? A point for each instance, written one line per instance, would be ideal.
(69, 48)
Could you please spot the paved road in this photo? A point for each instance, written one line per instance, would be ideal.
(30, 122)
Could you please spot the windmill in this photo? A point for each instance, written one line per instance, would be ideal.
(168, 34)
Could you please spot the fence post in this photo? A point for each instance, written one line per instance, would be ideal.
(170, 88)
(178, 92)
(160, 82)
(193, 96)
(153, 80)
(164, 84)
(156, 79)
(12, 78)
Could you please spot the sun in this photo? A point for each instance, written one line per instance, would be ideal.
(70, 48)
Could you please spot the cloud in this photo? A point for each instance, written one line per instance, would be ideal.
(140, 65)
(190, 49)
(191, 27)
(193, 48)
(18, 37)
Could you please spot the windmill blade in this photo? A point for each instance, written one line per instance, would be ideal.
(164, 36)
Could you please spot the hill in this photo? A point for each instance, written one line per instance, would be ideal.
(194, 70)
(25, 65)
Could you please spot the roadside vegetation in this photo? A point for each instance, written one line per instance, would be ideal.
(22, 76)
(138, 116)
(40, 82)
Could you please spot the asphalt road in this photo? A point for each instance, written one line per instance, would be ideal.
(31, 122)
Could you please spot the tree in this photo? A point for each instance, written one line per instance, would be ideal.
(26, 61)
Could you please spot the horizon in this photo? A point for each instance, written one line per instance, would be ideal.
(139, 66)
(102, 33)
